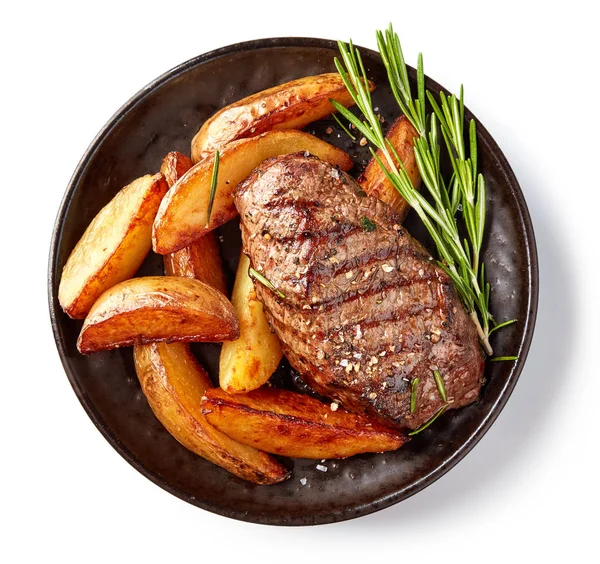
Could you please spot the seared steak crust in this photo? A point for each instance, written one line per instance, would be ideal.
(366, 310)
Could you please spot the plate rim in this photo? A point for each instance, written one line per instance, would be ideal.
(373, 505)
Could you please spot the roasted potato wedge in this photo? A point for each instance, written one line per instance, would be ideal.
(158, 308)
(182, 215)
(174, 384)
(174, 166)
(248, 362)
(201, 259)
(292, 424)
(374, 181)
(113, 246)
(292, 105)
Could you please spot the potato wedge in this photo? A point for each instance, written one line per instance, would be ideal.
(174, 383)
(248, 362)
(182, 215)
(113, 246)
(292, 105)
(374, 181)
(295, 425)
(158, 308)
(201, 259)
(174, 166)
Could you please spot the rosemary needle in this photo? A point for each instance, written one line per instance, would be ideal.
(346, 130)
(429, 421)
(413, 395)
(265, 282)
(503, 358)
(500, 325)
(440, 384)
(213, 188)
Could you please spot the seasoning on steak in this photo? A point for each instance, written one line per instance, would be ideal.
(366, 310)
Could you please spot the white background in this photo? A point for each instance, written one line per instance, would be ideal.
(528, 491)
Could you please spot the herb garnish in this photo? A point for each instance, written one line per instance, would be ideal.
(429, 421)
(503, 358)
(265, 282)
(213, 188)
(413, 395)
(440, 384)
(346, 130)
(466, 190)
(367, 224)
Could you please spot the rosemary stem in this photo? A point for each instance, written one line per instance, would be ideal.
(483, 337)
(475, 262)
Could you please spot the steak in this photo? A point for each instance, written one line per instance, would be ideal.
(365, 309)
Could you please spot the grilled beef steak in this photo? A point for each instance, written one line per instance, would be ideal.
(365, 309)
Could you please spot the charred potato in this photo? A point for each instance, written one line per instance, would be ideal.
(374, 181)
(113, 246)
(157, 308)
(182, 216)
(249, 361)
(292, 105)
(291, 424)
(174, 383)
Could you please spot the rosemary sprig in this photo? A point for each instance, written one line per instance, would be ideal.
(265, 282)
(458, 257)
(213, 188)
(503, 358)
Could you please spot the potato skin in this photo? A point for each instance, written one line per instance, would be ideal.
(374, 181)
(249, 361)
(174, 383)
(292, 424)
(181, 218)
(292, 105)
(113, 246)
(158, 308)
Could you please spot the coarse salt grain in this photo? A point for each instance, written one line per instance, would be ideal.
(303, 481)
(334, 406)
(387, 268)
(321, 468)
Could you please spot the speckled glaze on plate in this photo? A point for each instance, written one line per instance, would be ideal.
(163, 117)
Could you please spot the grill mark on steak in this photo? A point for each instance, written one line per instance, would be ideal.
(365, 311)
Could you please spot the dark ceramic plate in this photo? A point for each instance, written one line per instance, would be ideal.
(163, 117)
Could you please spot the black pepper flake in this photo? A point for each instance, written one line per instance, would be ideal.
(367, 224)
